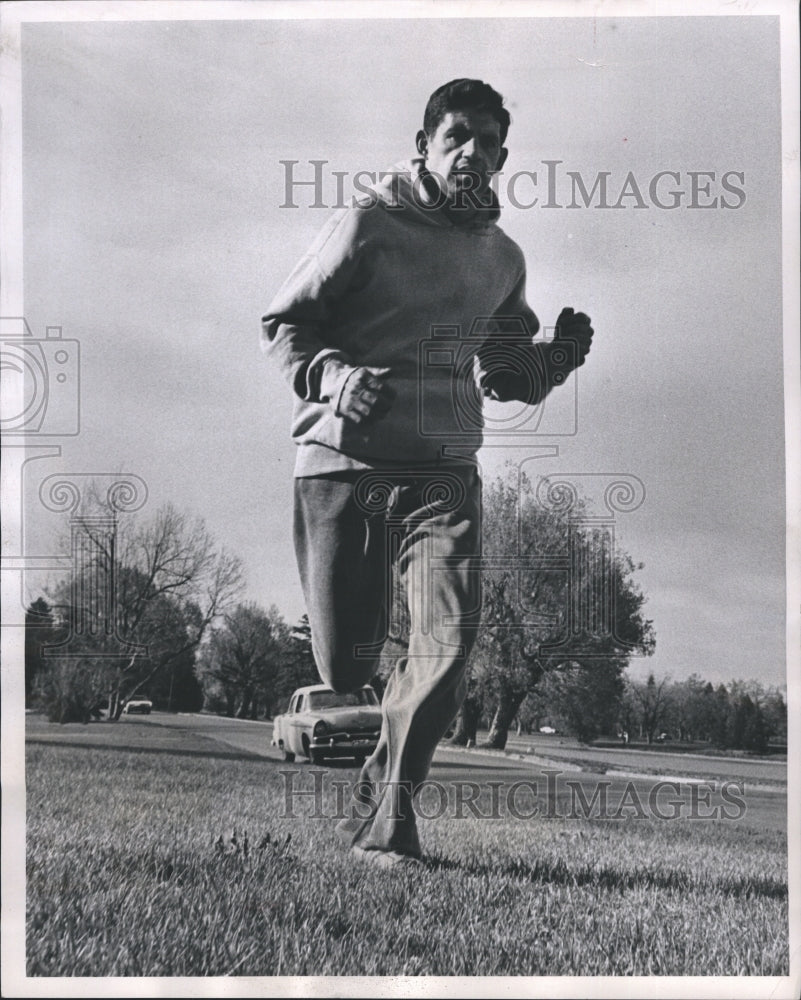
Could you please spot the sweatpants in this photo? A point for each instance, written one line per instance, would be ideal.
(351, 528)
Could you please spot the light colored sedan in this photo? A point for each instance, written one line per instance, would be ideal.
(320, 723)
(140, 704)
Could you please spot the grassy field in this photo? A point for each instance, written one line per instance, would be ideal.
(126, 877)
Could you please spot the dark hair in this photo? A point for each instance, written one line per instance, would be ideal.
(463, 94)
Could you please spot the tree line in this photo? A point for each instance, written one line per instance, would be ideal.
(155, 608)
(742, 714)
(152, 607)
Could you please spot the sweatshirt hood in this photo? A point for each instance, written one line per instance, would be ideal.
(401, 189)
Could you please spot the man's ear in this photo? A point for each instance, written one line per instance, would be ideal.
(502, 158)
(422, 142)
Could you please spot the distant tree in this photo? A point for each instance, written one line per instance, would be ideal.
(466, 723)
(703, 710)
(527, 597)
(395, 648)
(244, 656)
(40, 631)
(652, 703)
(741, 708)
(747, 729)
(683, 699)
(629, 712)
(506, 661)
(533, 710)
(771, 705)
(586, 695)
(297, 667)
(719, 710)
(755, 735)
(740, 715)
(774, 708)
(145, 597)
(69, 690)
(177, 689)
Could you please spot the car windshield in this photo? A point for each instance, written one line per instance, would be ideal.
(330, 699)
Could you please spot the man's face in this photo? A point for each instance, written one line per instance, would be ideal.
(464, 152)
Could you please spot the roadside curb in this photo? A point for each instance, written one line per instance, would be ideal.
(553, 763)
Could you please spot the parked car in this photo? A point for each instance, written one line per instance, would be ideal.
(140, 704)
(548, 730)
(320, 723)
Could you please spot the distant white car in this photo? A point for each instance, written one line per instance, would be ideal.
(548, 730)
(320, 723)
(138, 705)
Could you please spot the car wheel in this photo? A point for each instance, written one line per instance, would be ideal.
(312, 755)
(287, 755)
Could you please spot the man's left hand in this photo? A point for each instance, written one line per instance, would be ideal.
(574, 331)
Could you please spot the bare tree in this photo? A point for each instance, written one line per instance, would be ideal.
(144, 597)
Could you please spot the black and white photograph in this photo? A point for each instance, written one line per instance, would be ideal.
(400, 492)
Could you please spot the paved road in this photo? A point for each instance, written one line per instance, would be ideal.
(700, 765)
(763, 808)
(255, 737)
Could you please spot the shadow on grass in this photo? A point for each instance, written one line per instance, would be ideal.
(170, 751)
(336, 764)
(440, 767)
(560, 873)
(472, 766)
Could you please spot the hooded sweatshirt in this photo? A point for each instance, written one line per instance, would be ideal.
(392, 282)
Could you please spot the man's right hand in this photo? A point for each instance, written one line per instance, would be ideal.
(365, 396)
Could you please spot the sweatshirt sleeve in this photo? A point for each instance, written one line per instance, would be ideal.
(295, 328)
(510, 365)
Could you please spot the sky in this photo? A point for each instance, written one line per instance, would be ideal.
(153, 233)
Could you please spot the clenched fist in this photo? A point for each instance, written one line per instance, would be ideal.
(575, 327)
(570, 345)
